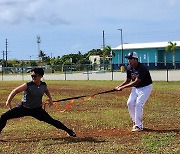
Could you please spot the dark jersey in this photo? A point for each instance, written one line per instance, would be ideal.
(33, 95)
(140, 72)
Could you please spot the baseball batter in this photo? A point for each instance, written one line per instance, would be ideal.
(139, 78)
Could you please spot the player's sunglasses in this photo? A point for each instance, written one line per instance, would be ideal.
(34, 76)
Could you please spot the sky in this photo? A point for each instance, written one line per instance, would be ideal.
(69, 26)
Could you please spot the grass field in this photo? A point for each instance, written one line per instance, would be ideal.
(102, 123)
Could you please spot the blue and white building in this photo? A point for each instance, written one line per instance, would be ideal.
(153, 55)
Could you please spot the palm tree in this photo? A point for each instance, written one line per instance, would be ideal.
(172, 47)
(106, 52)
(41, 55)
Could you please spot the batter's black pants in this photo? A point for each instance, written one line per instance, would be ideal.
(38, 113)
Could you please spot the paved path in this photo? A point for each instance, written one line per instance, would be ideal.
(156, 76)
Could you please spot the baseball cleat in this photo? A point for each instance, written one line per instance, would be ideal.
(136, 129)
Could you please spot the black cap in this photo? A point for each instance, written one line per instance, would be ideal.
(132, 55)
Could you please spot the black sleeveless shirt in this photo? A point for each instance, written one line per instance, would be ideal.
(33, 95)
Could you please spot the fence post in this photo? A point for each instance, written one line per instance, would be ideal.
(22, 73)
(87, 73)
(64, 72)
(112, 71)
(167, 74)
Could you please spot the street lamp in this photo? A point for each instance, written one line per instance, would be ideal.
(121, 44)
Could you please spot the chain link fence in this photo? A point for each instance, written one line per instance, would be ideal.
(159, 72)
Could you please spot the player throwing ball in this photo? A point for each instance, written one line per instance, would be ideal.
(139, 78)
(31, 104)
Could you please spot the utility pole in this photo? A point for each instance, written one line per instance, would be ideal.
(38, 42)
(6, 51)
(103, 40)
(2, 65)
(103, 50)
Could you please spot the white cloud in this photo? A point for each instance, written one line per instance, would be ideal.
(65, 12)
(10, 17)
(18, 11)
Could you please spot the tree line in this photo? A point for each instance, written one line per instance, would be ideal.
(75, 58)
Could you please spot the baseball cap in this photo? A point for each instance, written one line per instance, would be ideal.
(132, 55)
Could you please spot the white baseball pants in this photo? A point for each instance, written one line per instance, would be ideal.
(135, 103)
